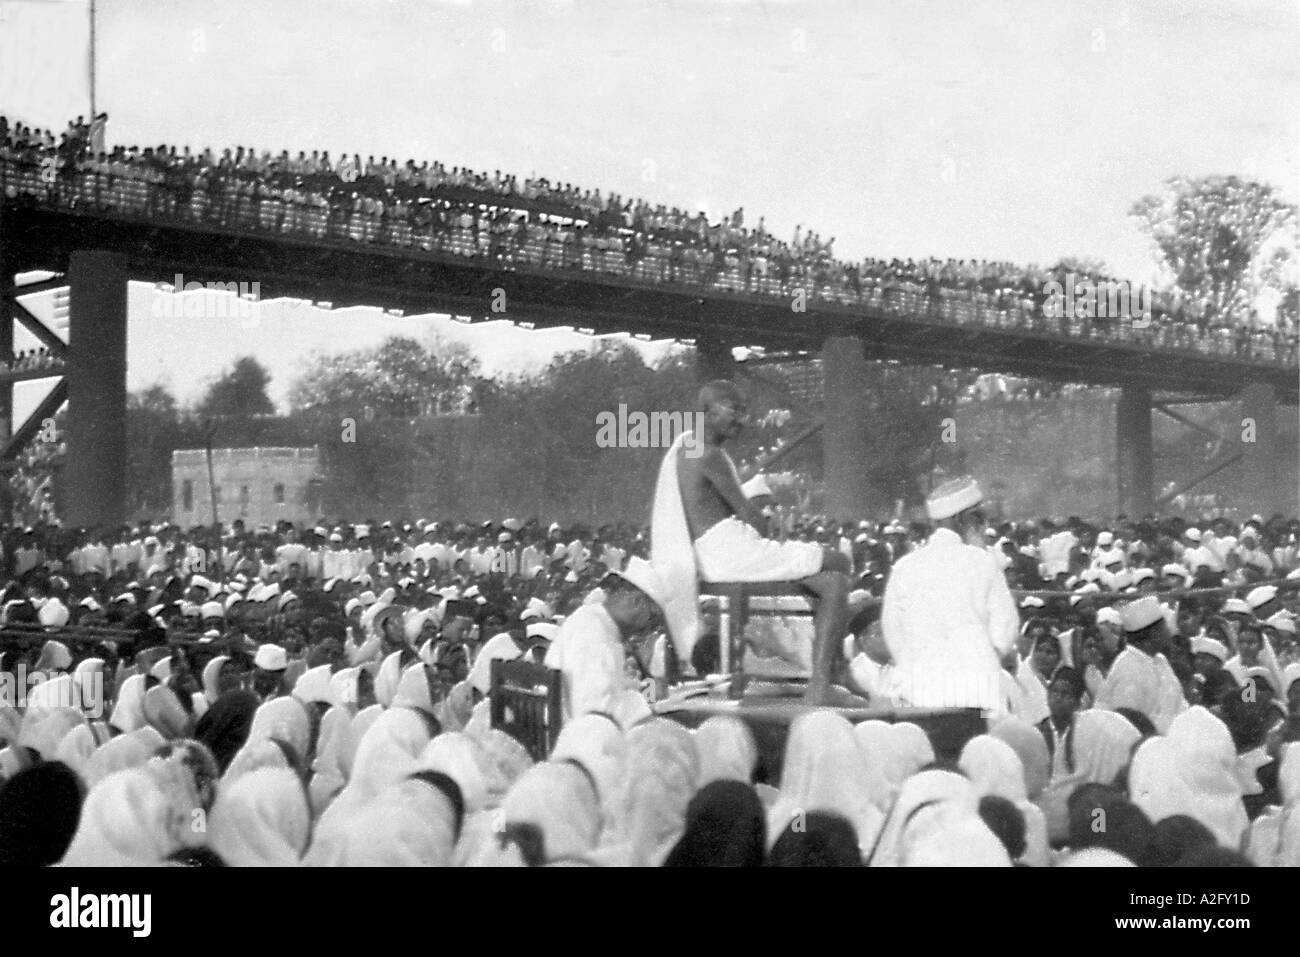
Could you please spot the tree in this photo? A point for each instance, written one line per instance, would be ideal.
(239, 392)
(155, 427)
(400, 378)
(1210, 232)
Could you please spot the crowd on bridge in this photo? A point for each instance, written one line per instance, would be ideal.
(512, 223)
(321, 695)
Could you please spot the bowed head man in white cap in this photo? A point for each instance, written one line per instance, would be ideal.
(588, 649)
(1141, 677)
(949, 619)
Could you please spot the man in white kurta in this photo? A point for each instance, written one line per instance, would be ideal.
(1140, 677)
(948, 618)
(588, 650)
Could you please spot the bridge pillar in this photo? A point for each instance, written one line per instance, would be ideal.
(713, 359)
(844, 438)
(1134, 461)
(95, 477)
(1261, 491)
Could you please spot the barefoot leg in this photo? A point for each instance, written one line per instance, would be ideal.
(830, 618)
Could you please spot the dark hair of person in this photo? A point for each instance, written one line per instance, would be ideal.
(1006, 821)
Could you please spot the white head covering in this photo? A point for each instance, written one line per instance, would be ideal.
(128, 712)
(825, 770)
(500, 647)
(261, 820)
(121, 753)
(1192, 771)
(949, 834)
(386, 753)
(899, 750)
(558, 799)
(727, 750)
(313, 686)
(284, 719)
(598, 744)
(44, 728)
(458, 756)
(994, 768)
(127, 821)
(662, 770)
(211, 676)
(410, 824)
(925, 787)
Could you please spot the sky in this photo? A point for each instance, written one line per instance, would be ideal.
(994, 129)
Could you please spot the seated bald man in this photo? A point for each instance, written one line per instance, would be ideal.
(728, 531)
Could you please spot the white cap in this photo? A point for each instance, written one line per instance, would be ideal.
(512, 523)
(89, 602)
(213, 609)
(536, 608)
(505, 537)
(54, 614)
(1236, 606)
(1260, 596)
(162, 669)
(367, 598)
(1203, 645)
(271, 658)
(952, 497)
(352, 603)
(756, 486)
(1105, 539)
(1193, 533)
(1281, 621)
(1091, 588)
(471, 592)
(335, 537)
(1033, 601)
(1173, 568)
(1139, 614)
(271, 591)
(232, 601)
(1109, 616)
(543, 630)
(285, 599)
(1142, 574)
(191, 610)
(645, 576)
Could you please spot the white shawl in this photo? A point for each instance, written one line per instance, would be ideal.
(673, 553)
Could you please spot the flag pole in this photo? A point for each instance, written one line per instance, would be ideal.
(91, 64)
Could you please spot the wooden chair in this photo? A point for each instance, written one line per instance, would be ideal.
(526, 704)
(738, 610)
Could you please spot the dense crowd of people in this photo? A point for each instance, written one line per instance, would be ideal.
(537, 223)
(321, 696)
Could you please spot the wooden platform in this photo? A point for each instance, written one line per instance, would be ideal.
(769, 720)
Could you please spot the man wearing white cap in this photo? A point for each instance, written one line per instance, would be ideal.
(1105, 649)
(1141, 677)
(1263, 601)
(704, 528)
(588, 650)
(269, 664)
(948, 617)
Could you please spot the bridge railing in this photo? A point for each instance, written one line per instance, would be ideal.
(474, 230)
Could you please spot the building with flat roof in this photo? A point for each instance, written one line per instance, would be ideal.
(260, 485)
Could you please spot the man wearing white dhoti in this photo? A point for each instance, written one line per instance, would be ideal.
(703, 528)
(948, 618)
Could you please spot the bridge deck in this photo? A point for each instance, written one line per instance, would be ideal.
(552, 284)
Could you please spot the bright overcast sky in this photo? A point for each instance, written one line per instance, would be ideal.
(999, 129)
